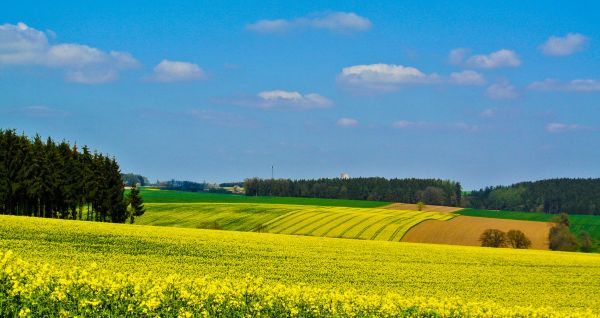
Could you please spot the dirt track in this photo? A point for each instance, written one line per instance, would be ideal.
(428, 208)
(465, 230)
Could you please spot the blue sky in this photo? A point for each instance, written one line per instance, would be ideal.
(480, 92)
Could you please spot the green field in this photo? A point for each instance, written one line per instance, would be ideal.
(579, 223)
(506, 277)
(340, 222)
(166, 196)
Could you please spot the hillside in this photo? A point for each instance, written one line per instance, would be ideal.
(466, 230)
(340, 222)
(579, 223)
(504, 277)
(389, 222)
(167, 196)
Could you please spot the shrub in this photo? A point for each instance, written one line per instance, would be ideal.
(493, 238)
(561, 238)
(517, 239)
(563, 219)
(585, 242)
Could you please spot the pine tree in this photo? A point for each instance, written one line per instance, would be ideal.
(55, 180)
(3, 173)
(136, 202)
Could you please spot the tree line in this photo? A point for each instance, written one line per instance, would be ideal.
(574, 196)
(429, 191)
(132, 179)
(57, 180)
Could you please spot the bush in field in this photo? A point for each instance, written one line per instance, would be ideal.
(561, 239)
(585, 242)
(493, 238)
(562, 219)
(517, 239)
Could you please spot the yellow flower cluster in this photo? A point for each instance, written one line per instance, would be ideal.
(132, 270)
(31, 290)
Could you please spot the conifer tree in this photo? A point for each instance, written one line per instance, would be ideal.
(136, 202)
(56, 180)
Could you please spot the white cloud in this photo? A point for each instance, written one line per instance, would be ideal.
(577, 85)
(388, 77)
(347, 122)
(383, 77)
(281, 100)
(489, 113)
(22, 45)
(175, 71)
(501, 58)
(458, 55)
(95, 76)
(561, 128)
(289, 99)
(332, 21)
(406, 124)
(467, 78)
(502, 90)
(562, 46)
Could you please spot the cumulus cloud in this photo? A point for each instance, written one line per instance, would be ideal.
(501, 58)
(561, 128)
(502, 90)
(577, 85)
(388, 77)
(458, 55)
(383, 77)
(467, 78)
(566, 45)
(332, 21)
(347, 122)
(176, 71)
(23, 45)
(282, 100)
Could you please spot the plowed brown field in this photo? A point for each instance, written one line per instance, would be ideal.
(427, 208)
(465, 230)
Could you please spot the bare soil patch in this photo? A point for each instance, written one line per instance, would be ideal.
(465, 230)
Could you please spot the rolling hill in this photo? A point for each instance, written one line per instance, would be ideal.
(328, 221)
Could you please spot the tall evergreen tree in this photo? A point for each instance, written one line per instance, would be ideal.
(136, 203)
(55, 180)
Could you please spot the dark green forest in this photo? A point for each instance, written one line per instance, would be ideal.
(573, 196)
(57, 180)
(430, 191)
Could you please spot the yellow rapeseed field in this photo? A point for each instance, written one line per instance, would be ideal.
(72, 268)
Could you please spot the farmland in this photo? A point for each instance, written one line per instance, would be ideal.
(166, 196)
(466, 230)
(579, 223)
(458, 276)
(340, 222)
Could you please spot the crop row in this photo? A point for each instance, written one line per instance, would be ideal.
(367, 224)
(341, 222)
